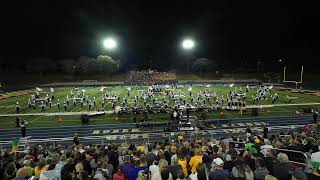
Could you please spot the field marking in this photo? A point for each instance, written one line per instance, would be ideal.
(30, 122)
(280, 105)
(55, 113)
(283, 110)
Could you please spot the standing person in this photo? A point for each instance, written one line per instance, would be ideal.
(76, 140)
(315, 116)
(242, 170)
(265, 132)
(195, 160)
(17, 122)
(23, 124)
(217, 171)
(261, 171)
(249, 131)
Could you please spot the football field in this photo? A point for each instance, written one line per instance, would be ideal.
(54, 116)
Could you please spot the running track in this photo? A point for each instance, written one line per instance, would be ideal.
(121, 132)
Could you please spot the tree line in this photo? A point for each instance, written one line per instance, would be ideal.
(103, 64)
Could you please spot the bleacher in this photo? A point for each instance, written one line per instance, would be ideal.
(150, 77)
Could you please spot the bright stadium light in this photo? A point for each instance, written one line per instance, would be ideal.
(109, 43)
(187, 44)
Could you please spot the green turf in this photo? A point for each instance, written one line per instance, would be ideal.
(7, 106)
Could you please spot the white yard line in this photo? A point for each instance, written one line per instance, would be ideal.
(55, 114)
(282, 109)
(281, 105)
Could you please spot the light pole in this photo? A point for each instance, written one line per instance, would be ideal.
(188, 45)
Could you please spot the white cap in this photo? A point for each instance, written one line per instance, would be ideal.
(218, 161)
(315, 157)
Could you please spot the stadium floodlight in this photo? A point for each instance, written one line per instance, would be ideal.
(188, 44)
(109, 43)
(280, 60)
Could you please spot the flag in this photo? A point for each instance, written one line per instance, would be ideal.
(15, 143)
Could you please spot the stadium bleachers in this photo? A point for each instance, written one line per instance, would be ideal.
(260, 153)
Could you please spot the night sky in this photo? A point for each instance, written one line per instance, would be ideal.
(147, 31)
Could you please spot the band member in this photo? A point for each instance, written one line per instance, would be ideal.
(29, 104)
(42, 106)
(17, 107)
(17, 122)
(102, 103)
(58, 104)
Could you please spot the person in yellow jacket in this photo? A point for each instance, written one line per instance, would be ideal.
(195, 160)
(183, 163)
(41, 167)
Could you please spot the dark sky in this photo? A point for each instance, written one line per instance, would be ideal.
(228, 31)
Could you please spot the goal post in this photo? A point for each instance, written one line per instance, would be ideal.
(298, 81)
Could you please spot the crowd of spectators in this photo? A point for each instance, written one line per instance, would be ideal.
(150, 77)
(204, 159)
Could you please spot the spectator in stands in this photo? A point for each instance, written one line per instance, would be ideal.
(195, 160)
(281, 169)
(11, 170)
(155, 172)
(3, 174)
(68, 169)
(269, 177)
(49, 173)
(217, 172)
(86, 162)
(113, 156)
(298, 175)
(61, 163)
(266, 147)
(315, 169)
(127, 165)
(151, 156)
(41, 167)
(80, 173)
(163, 167)
(28, 166)
(261, 171)
(250, 156)
(231, 158)
(119, 175)
(179, 154)
(133, 172)
(182, 162)
(174, 167)
(200, 174)
(21, 174)
(242, 170)
(102, 173)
